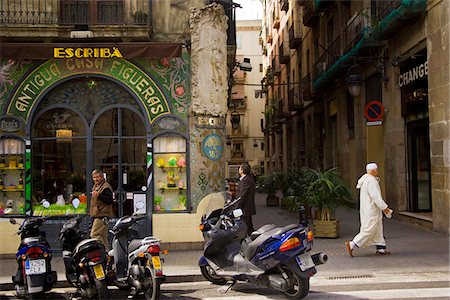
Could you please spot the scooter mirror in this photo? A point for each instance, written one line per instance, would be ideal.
(12, 221)
(237, 213)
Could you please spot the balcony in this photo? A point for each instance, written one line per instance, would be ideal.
(384, 8)
(393, 15)
(276, 23)
(284, 5)
(306, 86)
(276, 67)
(242, 131)
(312, 10)
(238, 103)
(284, 52)
(57, 18)
(75, 12)
(279, 112)
(237, 155)
(309, 16)
(269, 76)
(295, 35)
(320, 66)
(357, 27)
(294, 101)
(328, 58)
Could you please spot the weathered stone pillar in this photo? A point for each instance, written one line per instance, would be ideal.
(438, 45)
(208, 107)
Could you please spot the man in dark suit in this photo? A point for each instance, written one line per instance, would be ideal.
(246, 190)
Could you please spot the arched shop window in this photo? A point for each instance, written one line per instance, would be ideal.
(170, 174)
(58, 163)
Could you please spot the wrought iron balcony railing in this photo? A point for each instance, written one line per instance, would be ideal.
(295, 35)
(75, 12)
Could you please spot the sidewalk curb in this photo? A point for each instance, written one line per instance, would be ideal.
(65, 284)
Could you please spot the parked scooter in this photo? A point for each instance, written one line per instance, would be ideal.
(85, 261)
(34, 274)
(135, 263)
(277, 257)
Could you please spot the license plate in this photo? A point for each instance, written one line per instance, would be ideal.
(35, 266)
(156, 263)
(98, 271)
(305, 261)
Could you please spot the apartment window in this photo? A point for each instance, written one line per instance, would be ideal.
(239, 41)
(82, 12)
(260, 68)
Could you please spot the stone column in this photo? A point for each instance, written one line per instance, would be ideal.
(438, 45)
(208, 26)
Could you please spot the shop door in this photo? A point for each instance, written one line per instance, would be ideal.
(419, 167)
(119, 149)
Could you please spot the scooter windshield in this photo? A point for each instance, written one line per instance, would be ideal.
(213, 202)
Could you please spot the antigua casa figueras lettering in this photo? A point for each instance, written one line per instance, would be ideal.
(87, 52)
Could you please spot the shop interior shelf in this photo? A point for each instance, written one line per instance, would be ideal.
(174, 188)
(172, 167)
(12, 168)
(12, 190)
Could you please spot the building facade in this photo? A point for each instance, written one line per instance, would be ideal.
(395, 57)
(135, 88)
(246, 142)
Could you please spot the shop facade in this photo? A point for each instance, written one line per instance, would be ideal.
(133, 110)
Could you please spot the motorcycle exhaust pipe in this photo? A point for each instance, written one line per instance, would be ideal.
(319, 258)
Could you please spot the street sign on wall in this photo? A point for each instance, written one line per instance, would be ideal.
(374, 112)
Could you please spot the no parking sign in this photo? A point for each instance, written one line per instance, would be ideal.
(374, 112)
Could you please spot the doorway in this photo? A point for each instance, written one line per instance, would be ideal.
(419, 167)
(81, 125)
(119, 146)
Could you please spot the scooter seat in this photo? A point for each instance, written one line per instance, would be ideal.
(261, 230)
(134, 244)
(249, 247)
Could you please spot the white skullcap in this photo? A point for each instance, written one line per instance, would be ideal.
(371, 166)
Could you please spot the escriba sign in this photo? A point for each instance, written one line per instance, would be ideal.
(54, 70)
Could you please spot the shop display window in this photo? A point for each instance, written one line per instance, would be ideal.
(12, 170)
(170, 174)
(58, 164)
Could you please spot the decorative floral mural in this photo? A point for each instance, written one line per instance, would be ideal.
(173, 75)
(11, 70)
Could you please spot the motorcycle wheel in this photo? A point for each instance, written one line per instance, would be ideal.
(211, 275)
(102, 289)
(153, 292)
(298, 286)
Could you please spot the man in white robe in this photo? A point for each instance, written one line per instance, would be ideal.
(372, 206)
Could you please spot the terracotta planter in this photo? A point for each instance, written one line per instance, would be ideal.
(272, 201)
(327, 229)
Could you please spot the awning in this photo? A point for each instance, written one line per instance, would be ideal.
(89, 50)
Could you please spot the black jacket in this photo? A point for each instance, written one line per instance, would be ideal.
(246, 190)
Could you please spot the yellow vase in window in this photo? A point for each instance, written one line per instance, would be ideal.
(12, 164)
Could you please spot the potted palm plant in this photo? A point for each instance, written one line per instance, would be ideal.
(325, 191)
(295, 183)
(268, 185)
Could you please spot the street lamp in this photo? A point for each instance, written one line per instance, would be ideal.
(245, 65)
(354, 81)
(235, 118)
